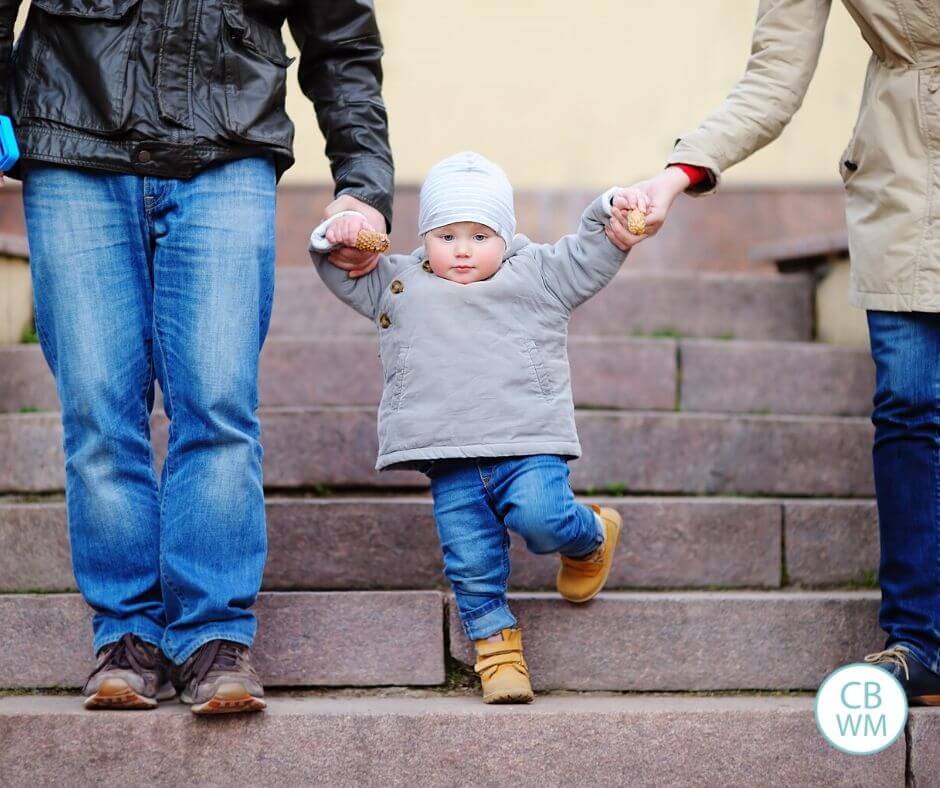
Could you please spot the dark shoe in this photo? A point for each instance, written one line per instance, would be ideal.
(920, 683)
(131, 674)
(219, 679)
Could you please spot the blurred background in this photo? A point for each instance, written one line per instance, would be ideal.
(584, 94)
(581, 96)
(571, 99)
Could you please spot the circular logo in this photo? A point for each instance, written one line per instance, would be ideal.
(861, 709)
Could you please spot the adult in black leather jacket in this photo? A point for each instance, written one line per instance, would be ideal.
(153, 133)
(169, 87)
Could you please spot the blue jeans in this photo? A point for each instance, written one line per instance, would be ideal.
(477, 502)
(137, 278)
(906, 350)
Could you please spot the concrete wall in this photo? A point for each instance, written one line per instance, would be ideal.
(584, 93)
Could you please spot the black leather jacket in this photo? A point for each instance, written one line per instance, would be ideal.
(168, 87)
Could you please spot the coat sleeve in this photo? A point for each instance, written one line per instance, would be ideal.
(363, 293)
(8, 11)
(340, 71)
(785, 49)
(580, 264)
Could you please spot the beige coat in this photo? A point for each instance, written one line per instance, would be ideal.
(891, 166)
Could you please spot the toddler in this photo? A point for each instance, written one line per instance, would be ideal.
(472, 331)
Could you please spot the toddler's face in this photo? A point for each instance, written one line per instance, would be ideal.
(464, 252)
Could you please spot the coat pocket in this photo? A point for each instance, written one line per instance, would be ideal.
(850, 159)
(399, 378)
(537, 368)
(255, 66)
(87, 9)
(848, 163)
(75, 60)
(395, 364)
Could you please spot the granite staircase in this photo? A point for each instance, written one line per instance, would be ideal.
(737, 451)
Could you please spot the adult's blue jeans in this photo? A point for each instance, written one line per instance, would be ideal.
(477, 502)
(906, 350)
(137, 278)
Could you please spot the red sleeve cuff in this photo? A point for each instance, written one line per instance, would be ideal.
(696, 174)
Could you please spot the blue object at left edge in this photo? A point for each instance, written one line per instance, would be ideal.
(9, 150)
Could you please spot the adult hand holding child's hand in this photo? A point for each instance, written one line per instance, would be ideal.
(628, 218)
(659, 192)
(355, 262)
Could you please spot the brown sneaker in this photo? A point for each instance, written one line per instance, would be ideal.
(219, 679)
(130, 674)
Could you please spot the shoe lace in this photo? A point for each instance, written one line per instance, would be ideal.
(128, 653)
(597, 557)
(897, 655)
(215, 655)
(586, 565)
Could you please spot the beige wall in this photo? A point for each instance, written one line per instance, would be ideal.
(583, 93)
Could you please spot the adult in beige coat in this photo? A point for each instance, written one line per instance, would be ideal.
(891, 169)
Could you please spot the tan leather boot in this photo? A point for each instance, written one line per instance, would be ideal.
(581, 579)
(502, 669)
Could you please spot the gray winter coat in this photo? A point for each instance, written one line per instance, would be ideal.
(479, 370)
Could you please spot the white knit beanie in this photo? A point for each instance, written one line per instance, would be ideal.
(467, 187)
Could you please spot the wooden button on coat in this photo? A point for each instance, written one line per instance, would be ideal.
(427, 266)
(384, 320)
(397, 287)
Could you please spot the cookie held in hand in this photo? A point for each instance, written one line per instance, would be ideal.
(636, 221)
(372, 241)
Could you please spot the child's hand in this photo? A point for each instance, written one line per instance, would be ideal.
(629, 199)
(352, 261)
(343, 233)
(344, 230)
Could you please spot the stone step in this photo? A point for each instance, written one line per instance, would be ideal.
(607, 372)
(25, 381)
(390, 543)
(447, 741)
(329, 639)
(742, 306)
(372, 543)
(622, 641)
(831, 542)
(621, 373)
(700, 641)
(638, 452)
(775, 377)
(718, 234)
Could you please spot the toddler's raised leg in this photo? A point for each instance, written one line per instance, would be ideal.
(534, 498)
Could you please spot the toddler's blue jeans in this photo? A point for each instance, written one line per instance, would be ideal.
(477, 502)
